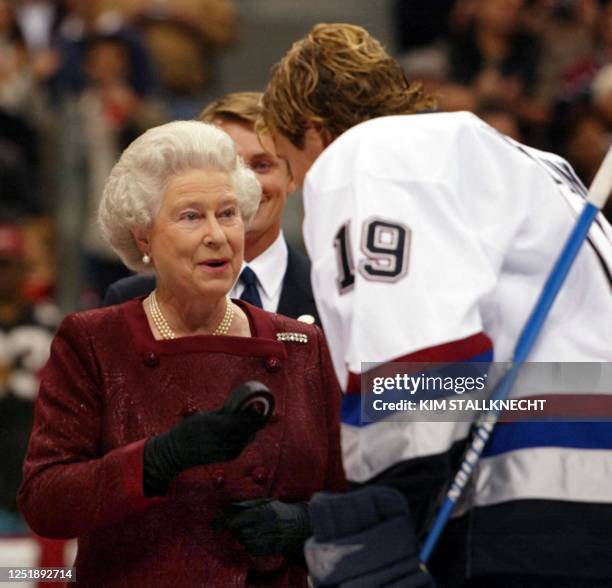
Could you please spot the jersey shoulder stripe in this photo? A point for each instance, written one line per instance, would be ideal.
(475, 348)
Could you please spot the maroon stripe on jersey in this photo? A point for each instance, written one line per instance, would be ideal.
(460, 350)
(578, 405)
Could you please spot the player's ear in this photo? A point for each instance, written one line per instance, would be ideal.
(316, 139)
(324, 134)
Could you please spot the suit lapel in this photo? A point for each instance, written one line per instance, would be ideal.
(296, 295)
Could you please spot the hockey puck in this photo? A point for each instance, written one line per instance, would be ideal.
(251, 395)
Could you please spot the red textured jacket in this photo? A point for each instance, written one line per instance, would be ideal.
(108, 386)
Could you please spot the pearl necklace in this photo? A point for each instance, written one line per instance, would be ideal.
(166, 332)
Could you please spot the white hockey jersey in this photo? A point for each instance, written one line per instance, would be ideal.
(431, 237)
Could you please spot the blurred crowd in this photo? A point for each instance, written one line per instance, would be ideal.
(80, 79)
(539, 71)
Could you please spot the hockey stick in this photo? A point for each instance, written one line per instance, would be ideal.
(596, 198)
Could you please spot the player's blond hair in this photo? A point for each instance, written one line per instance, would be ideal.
(236, 106)
(336, 77)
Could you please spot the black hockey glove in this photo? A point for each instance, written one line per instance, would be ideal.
(266, 526)
(202, 438)
(362, 539)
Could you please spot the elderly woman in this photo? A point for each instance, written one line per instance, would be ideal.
(131, 450)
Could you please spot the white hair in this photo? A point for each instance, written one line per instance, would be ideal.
(133, 192)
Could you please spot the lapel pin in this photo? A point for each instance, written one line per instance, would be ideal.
(293, 337)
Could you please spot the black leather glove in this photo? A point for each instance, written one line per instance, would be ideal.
(202, 438)
(266, 526)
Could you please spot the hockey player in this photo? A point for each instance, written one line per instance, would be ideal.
(430, 237)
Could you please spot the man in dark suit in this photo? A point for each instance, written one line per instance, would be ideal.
(276, 276)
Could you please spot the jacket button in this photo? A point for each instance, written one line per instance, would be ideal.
(151, 360)
(259, 475)
(218, 478)
(273, 364)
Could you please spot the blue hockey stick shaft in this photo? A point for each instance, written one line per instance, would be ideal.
(598, 194)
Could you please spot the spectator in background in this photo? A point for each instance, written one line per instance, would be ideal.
(566, 31)
(585, 141)
(16, 81)
(183, 36)
(18, 131)
(24, 186)
(493, 45)
(17, 196)
(25, 338)
(86, 19)
(496, 59)
(112, 114)
(38, 19)
(576, 80)
(581, 123)
(18, 202)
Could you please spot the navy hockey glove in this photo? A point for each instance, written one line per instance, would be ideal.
(364, 539)
(266, 526)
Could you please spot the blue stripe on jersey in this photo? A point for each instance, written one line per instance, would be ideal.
(350, 411)
(485, 357)
(522, 435)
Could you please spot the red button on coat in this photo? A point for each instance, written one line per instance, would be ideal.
(218, 478)
(273, 364)
(260, 475)
(151, 360)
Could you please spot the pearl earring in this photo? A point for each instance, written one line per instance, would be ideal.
(146, 259)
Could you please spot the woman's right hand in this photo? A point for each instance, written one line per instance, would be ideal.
(202, 438)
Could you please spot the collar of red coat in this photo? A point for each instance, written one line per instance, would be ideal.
(263, 343)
